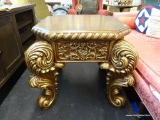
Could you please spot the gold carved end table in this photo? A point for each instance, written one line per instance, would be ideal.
(81, 38)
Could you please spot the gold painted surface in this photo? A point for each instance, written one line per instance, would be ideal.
(81, 38)
(119, 71)
(82, 51)
(93, 35)
(40, 61)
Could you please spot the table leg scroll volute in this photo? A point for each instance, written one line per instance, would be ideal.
(122, 62)
(39, 58)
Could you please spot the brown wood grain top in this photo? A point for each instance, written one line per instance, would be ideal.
(81, 24)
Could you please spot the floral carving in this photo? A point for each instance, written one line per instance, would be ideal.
(81, 51)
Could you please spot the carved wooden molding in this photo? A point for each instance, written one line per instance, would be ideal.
(82, 51)
(100, 35)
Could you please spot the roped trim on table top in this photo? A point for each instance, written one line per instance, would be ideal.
(74, 35)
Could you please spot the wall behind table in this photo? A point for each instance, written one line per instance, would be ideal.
(149, 2)
(19, 1)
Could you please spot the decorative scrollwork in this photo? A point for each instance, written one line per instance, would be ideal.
(119, 71)
(124, 57)
(123, 62)
(49, 88)
(115, 86)
(39, 57)
(40, 61)
(81, 51)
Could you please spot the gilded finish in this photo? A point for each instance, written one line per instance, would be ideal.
(81, 35)
(80, 38)
(40, 61)
(119, 71)
(82, 51)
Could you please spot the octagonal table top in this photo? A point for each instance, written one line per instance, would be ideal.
(81, 27)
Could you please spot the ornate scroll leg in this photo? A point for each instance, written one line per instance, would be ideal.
(49, 88)
(114, 86)
(119, 71)
(39, 58)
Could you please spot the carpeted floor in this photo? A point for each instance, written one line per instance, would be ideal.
(81, 96)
